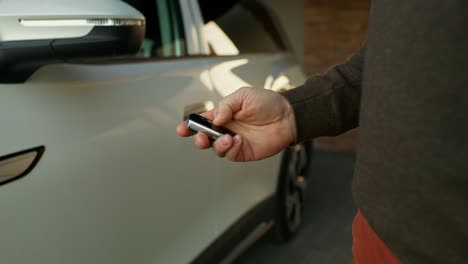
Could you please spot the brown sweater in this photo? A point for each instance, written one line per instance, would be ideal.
(408, 89)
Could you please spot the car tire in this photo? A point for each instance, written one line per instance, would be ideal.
(291, 190)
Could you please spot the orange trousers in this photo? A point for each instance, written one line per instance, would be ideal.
(368, 248)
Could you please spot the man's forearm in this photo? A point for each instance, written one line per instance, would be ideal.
(328, 105)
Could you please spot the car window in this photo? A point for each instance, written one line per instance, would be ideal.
(233, 27)
(164, 28)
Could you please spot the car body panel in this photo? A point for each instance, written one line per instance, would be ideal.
(115, 184)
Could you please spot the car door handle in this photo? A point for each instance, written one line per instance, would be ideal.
(197, 108)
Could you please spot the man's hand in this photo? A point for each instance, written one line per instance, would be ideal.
(262, 119)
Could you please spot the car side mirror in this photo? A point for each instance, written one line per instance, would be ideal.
(35, 33)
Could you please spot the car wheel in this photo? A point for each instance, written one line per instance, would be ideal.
(291, 190)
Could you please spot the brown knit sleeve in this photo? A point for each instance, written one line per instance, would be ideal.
(328, 105)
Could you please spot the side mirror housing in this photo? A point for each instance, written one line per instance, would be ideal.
(35, 33)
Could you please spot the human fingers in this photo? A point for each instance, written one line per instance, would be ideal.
(234, 152)
(222, 145)
(208, 114)
(183, 130)
(229, 105)
(202, 141)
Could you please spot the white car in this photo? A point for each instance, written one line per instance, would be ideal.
(91, 168)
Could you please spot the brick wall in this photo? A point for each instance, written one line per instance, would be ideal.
(334, 29)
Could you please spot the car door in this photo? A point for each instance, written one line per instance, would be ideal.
(115, 184)
(245, 49)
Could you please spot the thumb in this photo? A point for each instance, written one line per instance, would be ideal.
(228, 106)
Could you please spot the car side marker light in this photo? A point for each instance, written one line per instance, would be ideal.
(81, 22)
(16, 165)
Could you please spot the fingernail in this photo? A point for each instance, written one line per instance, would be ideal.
(225, 141)
(236, 139)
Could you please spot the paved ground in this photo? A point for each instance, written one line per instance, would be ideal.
(326, 234)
